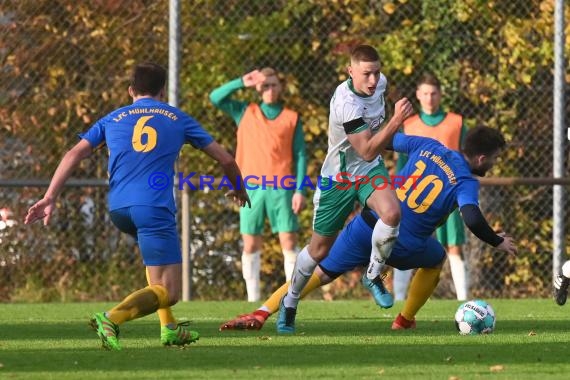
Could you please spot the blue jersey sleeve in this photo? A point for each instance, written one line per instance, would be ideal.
(96, 134)
(195, 134)
(408, 144)
(468, 193)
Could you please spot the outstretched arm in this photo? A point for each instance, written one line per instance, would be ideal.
(369, 146)
(45, 207)
(476, 222)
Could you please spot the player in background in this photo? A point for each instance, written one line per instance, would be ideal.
(448, 129)
(561, 283)
(355, 141)
(437, 180)
(270, 145)
(144, 139)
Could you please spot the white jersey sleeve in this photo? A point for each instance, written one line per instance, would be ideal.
(346, 106)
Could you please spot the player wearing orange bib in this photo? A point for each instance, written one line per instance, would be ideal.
(271, 155)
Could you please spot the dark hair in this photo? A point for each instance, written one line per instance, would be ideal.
(430, 79)
(148, 79)
(364, 53)
(483, 140)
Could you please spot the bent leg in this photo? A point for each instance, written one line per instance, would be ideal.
(386, 230)
(422, 286)
(139, 304)
(256, 319)
(305, 265)
(164, 314)
(429, 261)
(271, 305)
(160, 248)
(349, 250)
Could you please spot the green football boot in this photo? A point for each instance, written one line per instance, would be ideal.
(107, 331)
(180, 336)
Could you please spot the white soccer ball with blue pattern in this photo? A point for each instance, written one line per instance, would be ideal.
(475, 317)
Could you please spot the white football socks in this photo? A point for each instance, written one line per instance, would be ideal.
(250, 269)
(401, 280)
(459, 275)
(289, 258)
(304, 268)
(383, 239)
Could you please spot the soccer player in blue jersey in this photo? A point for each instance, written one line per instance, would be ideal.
(437, 180)
(144, 139)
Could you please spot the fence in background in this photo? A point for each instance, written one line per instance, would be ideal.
(65, 64)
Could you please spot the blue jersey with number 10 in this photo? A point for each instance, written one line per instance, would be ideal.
(434, 181)
(144, 140)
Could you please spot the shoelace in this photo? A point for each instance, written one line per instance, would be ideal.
(184, 323)
(110, 329)
(380, 282)
(290, 314)
(182, 331)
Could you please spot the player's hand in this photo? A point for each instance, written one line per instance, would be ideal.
(508, 244)
(240, 197)
(40, 210)
(253, 78)
(298, 203)
(403, 109)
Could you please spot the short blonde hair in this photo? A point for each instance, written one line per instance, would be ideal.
(269, 72)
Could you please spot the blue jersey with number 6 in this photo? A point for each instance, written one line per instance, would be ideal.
(144, 140)
(434, 181)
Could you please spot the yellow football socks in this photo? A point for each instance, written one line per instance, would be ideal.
(272, 303)
(164, 313)
(166, 317)
(422, 286)
(138, 304)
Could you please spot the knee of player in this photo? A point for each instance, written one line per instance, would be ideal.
(392, 217)
(441, 263)
(173, 296)
(319, 247)
(319, 254)
(173, 300)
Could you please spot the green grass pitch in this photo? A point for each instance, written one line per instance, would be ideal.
(340, 339)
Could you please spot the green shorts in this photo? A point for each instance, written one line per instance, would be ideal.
(334, 201)
(452, 232)
(271, 202)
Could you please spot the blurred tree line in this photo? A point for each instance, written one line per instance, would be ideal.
(66, 63)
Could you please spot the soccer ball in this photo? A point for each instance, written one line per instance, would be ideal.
(475, 317)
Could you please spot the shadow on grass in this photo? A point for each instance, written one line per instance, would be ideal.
(333, 346)
(308, 328)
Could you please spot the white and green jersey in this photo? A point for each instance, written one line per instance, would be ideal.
(352, 113)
